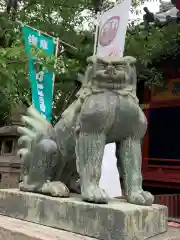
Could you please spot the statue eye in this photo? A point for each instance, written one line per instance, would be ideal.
(90, 65)
(101, 66)
(120, 66)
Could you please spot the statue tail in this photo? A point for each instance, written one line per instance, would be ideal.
(35, 126)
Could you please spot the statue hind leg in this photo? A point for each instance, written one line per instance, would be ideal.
(42, 162)
(40, 156)
(129, 164)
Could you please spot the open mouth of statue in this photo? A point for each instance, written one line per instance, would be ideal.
(111, 76)
(109, 85)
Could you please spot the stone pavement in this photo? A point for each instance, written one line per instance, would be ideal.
(15, 229)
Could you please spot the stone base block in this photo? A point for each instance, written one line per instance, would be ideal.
(118, 220)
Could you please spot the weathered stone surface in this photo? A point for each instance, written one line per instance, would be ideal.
(171, 234)
(116, 221)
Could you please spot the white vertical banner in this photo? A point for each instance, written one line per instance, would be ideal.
(112, 30)
(110, 42)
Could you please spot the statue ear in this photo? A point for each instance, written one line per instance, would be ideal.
(91, 59)
(130, 60)
(80, 77)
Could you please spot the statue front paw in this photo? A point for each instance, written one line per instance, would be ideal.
(25, 187)
(94, 194)
(54, 189)
(148, 197)
(140, 198)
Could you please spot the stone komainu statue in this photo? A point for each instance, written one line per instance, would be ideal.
(106, 110)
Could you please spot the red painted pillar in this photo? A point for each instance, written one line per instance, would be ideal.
(145, 145)
(178, 4)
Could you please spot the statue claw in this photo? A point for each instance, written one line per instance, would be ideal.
(54, 189)
(94, 194)
(141, 198)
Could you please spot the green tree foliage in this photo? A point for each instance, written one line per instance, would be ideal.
(63, 19)
(152, 48)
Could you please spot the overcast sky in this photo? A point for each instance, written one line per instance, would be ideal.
(153, 7)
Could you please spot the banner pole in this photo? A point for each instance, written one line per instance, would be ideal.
(96, 33)
(56, 53)
(57, 46)
(46, 34)
(35, 29)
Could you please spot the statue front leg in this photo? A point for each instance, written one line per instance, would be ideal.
(42, 161)
(130, 163)
(89, 155)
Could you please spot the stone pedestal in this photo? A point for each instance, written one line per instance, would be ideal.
(116, 221)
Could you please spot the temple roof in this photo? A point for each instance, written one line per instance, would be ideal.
(9, 131)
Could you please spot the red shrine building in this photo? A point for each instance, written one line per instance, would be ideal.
(161, 146)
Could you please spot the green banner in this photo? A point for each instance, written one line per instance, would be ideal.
(41, 82)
